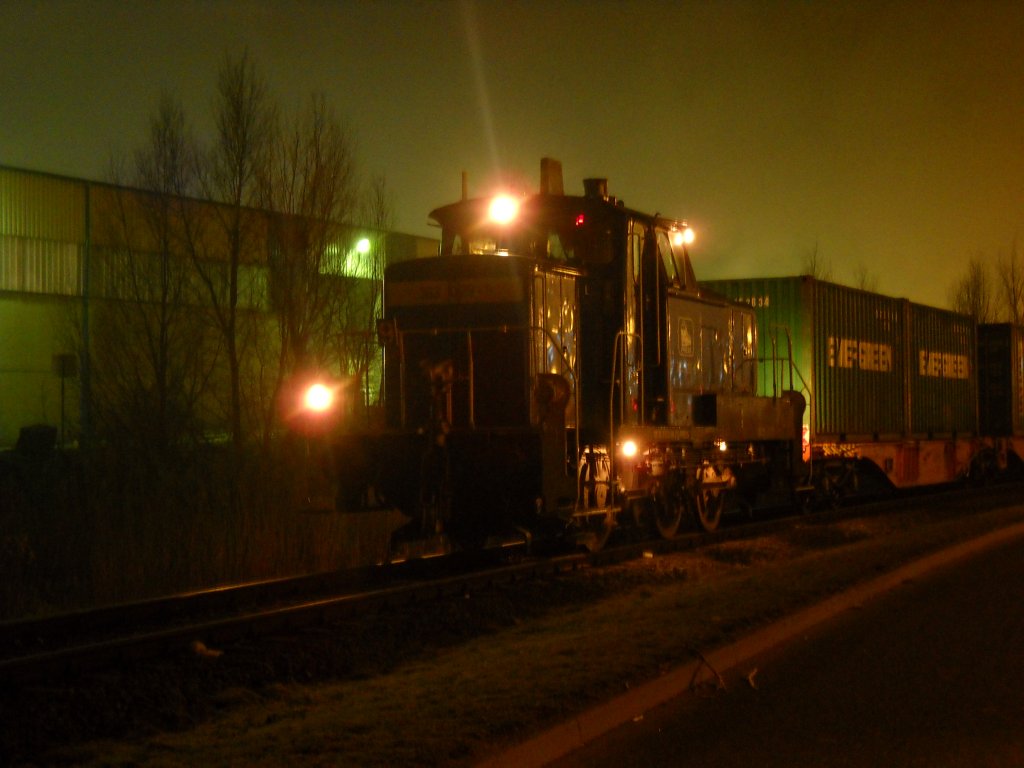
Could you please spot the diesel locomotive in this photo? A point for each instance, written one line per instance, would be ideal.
(557, 371)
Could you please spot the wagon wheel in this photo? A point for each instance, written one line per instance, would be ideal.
(832, 487)
(668, 511)
(983, 468)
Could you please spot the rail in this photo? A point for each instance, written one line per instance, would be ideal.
(52, 648)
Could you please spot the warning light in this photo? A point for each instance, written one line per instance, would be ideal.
(580, 220)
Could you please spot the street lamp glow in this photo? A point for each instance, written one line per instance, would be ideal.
(363, 245)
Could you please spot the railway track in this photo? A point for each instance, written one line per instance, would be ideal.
(60, 647)
(63, 645)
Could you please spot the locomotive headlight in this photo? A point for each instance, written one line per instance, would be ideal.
(683, 236)
(503, 209)
(312, 405)
(318, 398)
(629, 449)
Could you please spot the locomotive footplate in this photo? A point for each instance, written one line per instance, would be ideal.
(440, 545)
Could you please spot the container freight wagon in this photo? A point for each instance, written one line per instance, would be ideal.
(891, 385)
(1001, 391)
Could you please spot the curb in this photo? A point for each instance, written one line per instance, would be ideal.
(587, 726)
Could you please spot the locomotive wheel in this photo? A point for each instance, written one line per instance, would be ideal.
(668, 513)
(709, 508)
(597, 532)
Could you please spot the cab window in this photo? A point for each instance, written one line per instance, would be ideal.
(636, 249)
(668, 258)
(558, 248)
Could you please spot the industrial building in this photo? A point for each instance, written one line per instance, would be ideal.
(61, 253)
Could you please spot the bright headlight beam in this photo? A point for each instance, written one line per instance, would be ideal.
(503, 209)
(683, 236)
(318, 398)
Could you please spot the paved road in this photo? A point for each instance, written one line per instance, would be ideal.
(931, 674)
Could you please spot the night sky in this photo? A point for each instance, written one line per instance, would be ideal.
(889, 136)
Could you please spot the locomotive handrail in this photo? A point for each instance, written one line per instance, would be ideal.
(367, 339)
(619, 352)
(805, 388)
(776, 359)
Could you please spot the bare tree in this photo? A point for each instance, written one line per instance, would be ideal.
(816, 266)
(1011, 282)
(229, 175)
(361, 353)
(864, 279)
(308, 187)
(148, 343)
(971, 294)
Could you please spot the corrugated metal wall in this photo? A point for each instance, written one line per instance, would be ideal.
(42, 207)
(33, 329)
(859, 370)
(44, 234)
(42, 231)
(943, 374)
(40, 266)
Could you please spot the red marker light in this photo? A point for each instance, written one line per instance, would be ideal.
(580, 220)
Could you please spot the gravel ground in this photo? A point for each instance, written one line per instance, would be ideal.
(448, 682)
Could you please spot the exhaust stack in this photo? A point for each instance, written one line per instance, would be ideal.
(596, 188)
(551, 177)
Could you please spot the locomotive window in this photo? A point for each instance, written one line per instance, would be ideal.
(460, 244)
(558, 248)
(483, 245)
(636, 248)
(451, 243)
(473, 243)
(747, 342)
(668, 258)
(680, 256)
(534, 243)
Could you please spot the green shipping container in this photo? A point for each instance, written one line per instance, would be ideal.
(871, 367)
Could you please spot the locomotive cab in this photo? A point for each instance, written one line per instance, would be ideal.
(556, 365)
